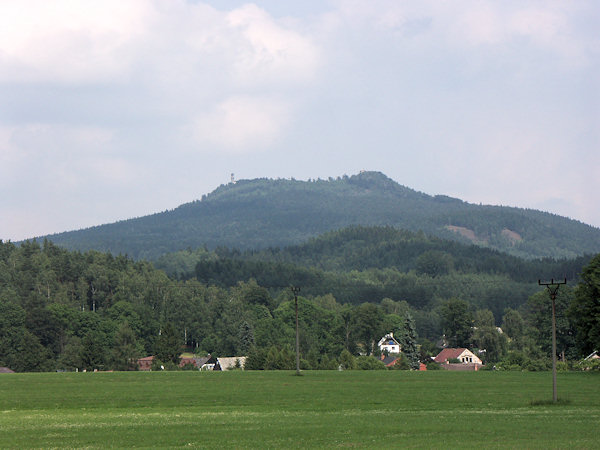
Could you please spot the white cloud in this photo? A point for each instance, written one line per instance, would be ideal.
(66, 41)
(89, 41)
(242, 124)
(271, 52)
(104, 98)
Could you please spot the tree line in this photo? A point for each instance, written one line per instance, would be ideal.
(68, 310)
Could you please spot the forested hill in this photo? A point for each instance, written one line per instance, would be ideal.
(262, 213)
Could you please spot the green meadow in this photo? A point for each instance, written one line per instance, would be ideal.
(367, 409)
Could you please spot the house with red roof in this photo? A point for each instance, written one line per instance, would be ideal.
(465, 357)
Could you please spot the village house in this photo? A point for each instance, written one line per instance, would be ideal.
(389, 344)
(200, 362)
(389, 361)
(230, 363)
(467, 359)
(145, 363)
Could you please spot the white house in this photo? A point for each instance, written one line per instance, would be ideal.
(389, 343)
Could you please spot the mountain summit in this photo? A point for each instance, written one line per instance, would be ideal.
(260, 213)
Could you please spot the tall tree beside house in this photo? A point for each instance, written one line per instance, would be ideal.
(168, 345)
(585, 308)
(457, 322)
(538, 314)
(93, 350)
(513, 326)
(489, 340)
(487, 337)
(367, 326)
(408, 341)
(125, 352)
(246, 335)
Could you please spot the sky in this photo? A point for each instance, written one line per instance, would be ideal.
(122, 108)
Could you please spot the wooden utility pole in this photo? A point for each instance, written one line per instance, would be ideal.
(553, 290)
(295, 290)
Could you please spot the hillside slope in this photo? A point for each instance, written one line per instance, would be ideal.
(264, 213)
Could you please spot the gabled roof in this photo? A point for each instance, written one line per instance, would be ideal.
(208, 359)
(385, 340)
(6, 370)
(448, 353)
(230, 362)
(389, 360)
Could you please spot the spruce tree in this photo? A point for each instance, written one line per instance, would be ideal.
(409, 342)
(246, 336)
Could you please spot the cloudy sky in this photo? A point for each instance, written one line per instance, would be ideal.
(117, 109)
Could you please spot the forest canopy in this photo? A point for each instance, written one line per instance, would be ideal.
(68, 310)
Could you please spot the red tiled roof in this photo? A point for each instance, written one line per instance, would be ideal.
(448, 353)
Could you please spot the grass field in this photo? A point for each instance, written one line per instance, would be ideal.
(368, 409)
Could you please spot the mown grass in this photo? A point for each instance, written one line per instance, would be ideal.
(387, 409)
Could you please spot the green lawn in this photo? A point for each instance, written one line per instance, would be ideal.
(378, 409)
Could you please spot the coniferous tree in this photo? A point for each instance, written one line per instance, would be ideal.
(246, 335)
(409, 342)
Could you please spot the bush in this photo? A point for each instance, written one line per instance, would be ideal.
(538, 365)
(590, 365)
(157, 364)
(369, 363)
(401, 363)
(432, 365)
(189, 366)
(347, 361)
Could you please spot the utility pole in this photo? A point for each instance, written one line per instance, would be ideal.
(295, 290)
(553, 290)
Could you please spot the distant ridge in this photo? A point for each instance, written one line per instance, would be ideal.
(261, 213)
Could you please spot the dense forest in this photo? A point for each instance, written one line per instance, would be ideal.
(263, 213)
(68, 310)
